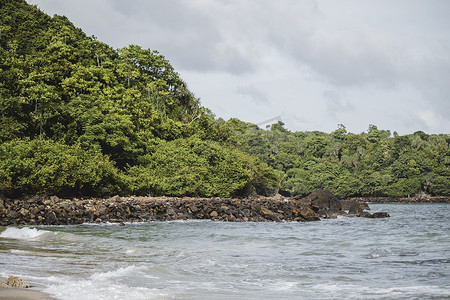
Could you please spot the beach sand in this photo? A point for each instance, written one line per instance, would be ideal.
(23, 294)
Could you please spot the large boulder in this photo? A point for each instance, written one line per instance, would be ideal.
(324, 199)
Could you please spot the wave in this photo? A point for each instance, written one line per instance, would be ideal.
(24, 233)
(122, 283)
(121, 272)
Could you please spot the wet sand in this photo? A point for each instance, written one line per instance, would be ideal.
(23, 294)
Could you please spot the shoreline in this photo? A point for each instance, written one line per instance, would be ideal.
(24, 294)
(51, 210)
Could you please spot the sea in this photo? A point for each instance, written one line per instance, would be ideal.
(406, 256)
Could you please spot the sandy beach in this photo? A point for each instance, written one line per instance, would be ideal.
(23, 294)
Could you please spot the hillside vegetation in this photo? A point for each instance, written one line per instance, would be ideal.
(80, 118)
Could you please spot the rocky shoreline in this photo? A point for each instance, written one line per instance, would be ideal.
(51, 210)
(417, 199)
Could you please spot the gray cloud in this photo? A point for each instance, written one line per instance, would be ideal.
(397, 51)
(335, 103)
(257, 96)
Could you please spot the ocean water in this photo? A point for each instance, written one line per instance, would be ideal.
(406, 256)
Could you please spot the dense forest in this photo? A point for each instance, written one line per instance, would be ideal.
(78, 118)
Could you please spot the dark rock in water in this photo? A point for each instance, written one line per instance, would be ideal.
(330, 213)
(357, 208)
(364, 214)
(380, 214)
(376, 215)
(324, 199)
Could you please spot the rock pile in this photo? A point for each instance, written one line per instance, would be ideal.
(55, 211)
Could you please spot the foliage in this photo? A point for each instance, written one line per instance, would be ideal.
(366, 164)
(192, 167)
(50, 167)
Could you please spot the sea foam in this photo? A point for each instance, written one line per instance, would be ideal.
(104, 285)
(24, 233)
(121, 272)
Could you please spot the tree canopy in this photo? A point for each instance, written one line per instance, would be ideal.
(372, 163)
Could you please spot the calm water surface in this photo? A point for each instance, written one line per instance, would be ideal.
(406, 256)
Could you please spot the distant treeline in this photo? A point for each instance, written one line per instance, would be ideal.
(367, 164)
(80, 118)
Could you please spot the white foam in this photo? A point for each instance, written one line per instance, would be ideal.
(284, 286)
(89, 290)
(131, 251)
(23, 233)
(121, 272)
(104, 285)
(17, 251)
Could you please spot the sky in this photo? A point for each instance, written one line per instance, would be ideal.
(313, 64)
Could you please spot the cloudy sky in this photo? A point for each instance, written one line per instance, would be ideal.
(313, 63)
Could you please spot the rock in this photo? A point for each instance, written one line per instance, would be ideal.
(16, 282)
(133, 209)
(278, 197)
(54, 199)
(102, 209)
(115, 198)
(347, 204)
(265, 211)
(192, 207)
(302, 201)
(365, 214)
(329, 213)
(356, 208)
(380, 214)
(274, 218)
(269, 215)
(50, 217)
(12, 214)
(304, 212)
(231, 218)
(324, 199)
(24, 212)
